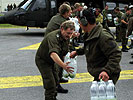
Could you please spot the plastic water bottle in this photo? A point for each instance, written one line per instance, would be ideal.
(110, 91)
(102, 90)
(73, 63)
(94, 90)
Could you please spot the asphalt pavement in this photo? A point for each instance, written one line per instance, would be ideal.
(21, 80)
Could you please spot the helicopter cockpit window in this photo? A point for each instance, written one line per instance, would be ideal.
(26, 5)
(111, 5)
(53, 5)
(121, 6)
(39, 4)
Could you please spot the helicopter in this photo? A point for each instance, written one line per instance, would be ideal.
(37, 13)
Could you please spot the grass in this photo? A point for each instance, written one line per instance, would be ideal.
(9, 25)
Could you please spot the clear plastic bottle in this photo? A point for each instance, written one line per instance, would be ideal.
(110, 91)
(94, 90)
(102, 90)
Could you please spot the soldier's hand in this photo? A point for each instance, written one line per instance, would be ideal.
(73, 54)
(76, 34)
(68, 68)
(104, 76)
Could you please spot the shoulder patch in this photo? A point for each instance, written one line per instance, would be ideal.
(57, 35)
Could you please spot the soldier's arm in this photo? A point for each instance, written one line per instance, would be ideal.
(113, 54)
(130, 26)
(124, 21)
(58, 60)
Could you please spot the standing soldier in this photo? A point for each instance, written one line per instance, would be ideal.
(52, 50)
(118, 20)
(123, 29)
(54, 24)
(100, 48)
(130, 25)
(99, 16)
(56, 21)
(129, 32)
(125, 8)
(105, 17)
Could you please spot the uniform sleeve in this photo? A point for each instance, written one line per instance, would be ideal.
(122, 17)
(130, 26)
(53, 46)
(112, 52)
(80, 51)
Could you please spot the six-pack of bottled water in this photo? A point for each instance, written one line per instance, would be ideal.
(103, 90)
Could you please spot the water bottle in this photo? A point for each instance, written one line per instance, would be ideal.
(94, 90)
(73, 63)
(102, 90)
(110, 91)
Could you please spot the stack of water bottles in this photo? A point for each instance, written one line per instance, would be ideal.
(103, 90)
(73, 63)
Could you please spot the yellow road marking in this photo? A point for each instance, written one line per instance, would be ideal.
(30, 81)
(36, 46)
(31, 47)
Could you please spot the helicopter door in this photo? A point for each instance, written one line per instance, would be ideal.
(53, 8)
(37, 13)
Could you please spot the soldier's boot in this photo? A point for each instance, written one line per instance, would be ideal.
(131, 62)
(62, 80)
(51, 97)
(124, 49)
(60, 89)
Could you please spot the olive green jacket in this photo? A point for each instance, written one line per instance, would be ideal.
(53, 42)
(119, 15)
(101, 51)
(130, 26)
(55, 23)
(124, 17)
(105, 13)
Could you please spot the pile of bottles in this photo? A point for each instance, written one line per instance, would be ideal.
(73, 63)
(103, 90)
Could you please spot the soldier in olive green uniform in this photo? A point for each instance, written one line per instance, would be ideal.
(118, 15)
(105, 18)
(52, 50)
(57, 20)
(129, 32)
(99, 16)
(100, 48)
(123, 29)
(54, 24)
(130, 26)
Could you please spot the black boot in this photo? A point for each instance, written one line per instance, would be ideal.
(124, 49)
(131, 62)
(60, 89)
(63, 80)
